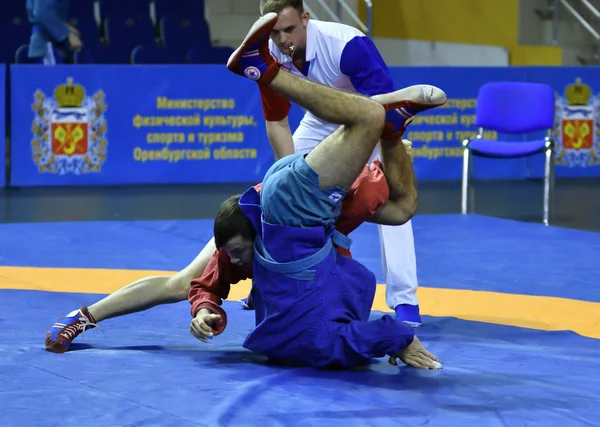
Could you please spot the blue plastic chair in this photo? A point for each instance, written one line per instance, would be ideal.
(513, 108)
(22, 55)
(190, 9)
(183, 34)
(125, 8)
(124, 34)
(82, 16)
(157, 55)
(14, 32)
(209, 55)
(94, 52)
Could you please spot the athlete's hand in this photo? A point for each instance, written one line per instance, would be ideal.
(202, 325)
(74, 42)
(73, 30)
(408, 148)
(415, 355)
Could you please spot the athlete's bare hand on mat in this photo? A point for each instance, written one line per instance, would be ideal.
(202, 325)
(415, 355)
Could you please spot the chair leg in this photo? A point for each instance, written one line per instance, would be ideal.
(465, 181)
(551, 210)
(548, 184)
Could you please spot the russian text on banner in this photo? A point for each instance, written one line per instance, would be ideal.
(86, 125)
(437, 134)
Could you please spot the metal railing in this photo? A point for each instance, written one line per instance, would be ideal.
(309, 10)
(341, 4)
(591, 8)
(330, 12)
(571, 9)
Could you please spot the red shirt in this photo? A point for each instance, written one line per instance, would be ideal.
(368, 193)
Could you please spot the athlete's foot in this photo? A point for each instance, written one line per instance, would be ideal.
(402, 105)
(66, 329)
(409, 314)
(253, 58)
(247, 303)
(416, 356)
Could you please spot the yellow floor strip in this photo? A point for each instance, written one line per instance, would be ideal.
(543, 313)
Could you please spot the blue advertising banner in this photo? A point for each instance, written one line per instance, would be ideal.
(104, 124)
(577, 123)
(90, 125)
(437, 134)
(2, 125)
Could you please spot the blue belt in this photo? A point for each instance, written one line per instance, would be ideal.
(301, 269)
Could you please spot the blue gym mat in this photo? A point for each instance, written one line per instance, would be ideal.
(146, 369)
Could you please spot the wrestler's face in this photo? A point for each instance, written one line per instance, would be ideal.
(240, 251)
(290, 30)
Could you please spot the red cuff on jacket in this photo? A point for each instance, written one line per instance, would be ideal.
(275, 106)
(216, 309)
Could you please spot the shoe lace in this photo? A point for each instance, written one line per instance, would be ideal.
(82, 324)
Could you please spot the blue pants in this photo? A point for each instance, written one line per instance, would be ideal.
(324, 321)
(290, 195)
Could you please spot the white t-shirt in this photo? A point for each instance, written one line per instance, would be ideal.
(341, 57)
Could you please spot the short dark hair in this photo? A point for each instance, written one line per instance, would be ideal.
(267, 6)
(231, 222)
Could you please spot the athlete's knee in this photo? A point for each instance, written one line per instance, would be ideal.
(374, 118)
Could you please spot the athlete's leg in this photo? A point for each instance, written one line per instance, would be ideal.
(340, 158)
(151, 291)
(138, 296)
(399, 264)
(356, 340)
(300, 183)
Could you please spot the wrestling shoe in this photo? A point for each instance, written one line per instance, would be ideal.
(253, 58)
(66, 329)
(402, 105)
(409, 314)
(246, 303)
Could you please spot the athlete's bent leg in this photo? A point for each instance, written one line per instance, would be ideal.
(305, 191)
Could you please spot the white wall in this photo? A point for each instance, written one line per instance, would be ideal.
(230, 20)
(321, 13)
(572, 36)
(413, 52)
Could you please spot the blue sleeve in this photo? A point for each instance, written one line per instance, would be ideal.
(46, 15)
(363, 64)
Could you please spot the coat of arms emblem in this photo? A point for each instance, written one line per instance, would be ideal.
(69, 130)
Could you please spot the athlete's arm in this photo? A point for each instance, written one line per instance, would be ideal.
(402, 202)
(280, 138)
(208, 292)
(369, 74)
(276, 109)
